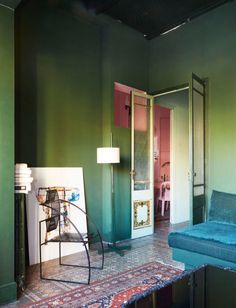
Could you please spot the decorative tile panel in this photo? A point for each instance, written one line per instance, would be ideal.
(142, 214)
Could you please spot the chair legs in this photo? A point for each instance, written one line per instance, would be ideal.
(88, 266)
(167, 205)
(64, 264)
(164, 206)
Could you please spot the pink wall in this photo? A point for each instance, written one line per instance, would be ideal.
(161, 144)
(122, 107)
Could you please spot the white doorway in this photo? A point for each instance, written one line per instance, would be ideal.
(175, 164)
(162, 179)
(187, 153)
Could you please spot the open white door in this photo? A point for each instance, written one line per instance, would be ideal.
(142, 209)
(197, 149)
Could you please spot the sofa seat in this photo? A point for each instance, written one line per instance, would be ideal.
(212, 238)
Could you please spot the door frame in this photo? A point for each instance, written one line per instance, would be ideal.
(195, 186)
(170, 90)
(163, 92)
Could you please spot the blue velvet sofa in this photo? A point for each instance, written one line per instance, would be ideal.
(212, 242)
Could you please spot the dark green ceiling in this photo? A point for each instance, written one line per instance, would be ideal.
(10, 3)
(152, 17)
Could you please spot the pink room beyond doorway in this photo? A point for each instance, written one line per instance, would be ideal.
(162, 179)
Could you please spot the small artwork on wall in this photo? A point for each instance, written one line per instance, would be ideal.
(69, 184)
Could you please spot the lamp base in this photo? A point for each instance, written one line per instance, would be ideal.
(114, 248)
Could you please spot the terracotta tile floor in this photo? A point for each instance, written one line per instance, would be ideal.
(143, 250)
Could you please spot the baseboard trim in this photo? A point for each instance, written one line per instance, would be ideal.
(8, 293)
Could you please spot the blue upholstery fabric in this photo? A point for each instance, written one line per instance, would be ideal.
(214, 231)
(223, 207)
(216, 237)
(212, 239)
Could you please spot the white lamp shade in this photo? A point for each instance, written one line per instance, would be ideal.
(108, 155)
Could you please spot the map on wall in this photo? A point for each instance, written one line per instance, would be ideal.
(69, 184)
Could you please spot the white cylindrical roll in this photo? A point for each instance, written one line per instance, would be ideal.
(23, 179)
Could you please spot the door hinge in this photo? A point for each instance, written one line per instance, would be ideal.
(132, 173)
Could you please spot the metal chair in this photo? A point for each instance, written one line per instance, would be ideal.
(57, 217)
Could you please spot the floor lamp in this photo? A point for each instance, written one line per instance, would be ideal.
(111, 155)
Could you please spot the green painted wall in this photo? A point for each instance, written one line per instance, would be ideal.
(66, 64)
(7, 284)
(206, 46)
(58, 93)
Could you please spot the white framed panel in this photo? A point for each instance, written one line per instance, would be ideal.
(59, 178)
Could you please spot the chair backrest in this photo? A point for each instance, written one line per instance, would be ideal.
(52, 200)
(165, 191)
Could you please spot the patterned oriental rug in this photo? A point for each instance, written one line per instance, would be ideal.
(114, 291)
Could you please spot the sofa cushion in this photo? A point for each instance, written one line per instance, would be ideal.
(223, 207)
(215, 231)
(211, 238)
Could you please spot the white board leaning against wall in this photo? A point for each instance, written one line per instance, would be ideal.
(70, 186)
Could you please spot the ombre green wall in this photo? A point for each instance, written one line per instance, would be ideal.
(7, 284)
(66, 65)
(58, 113)
(207, 47)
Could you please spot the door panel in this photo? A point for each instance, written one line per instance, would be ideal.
(197, 143)
(141, 164)
(198, 139)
